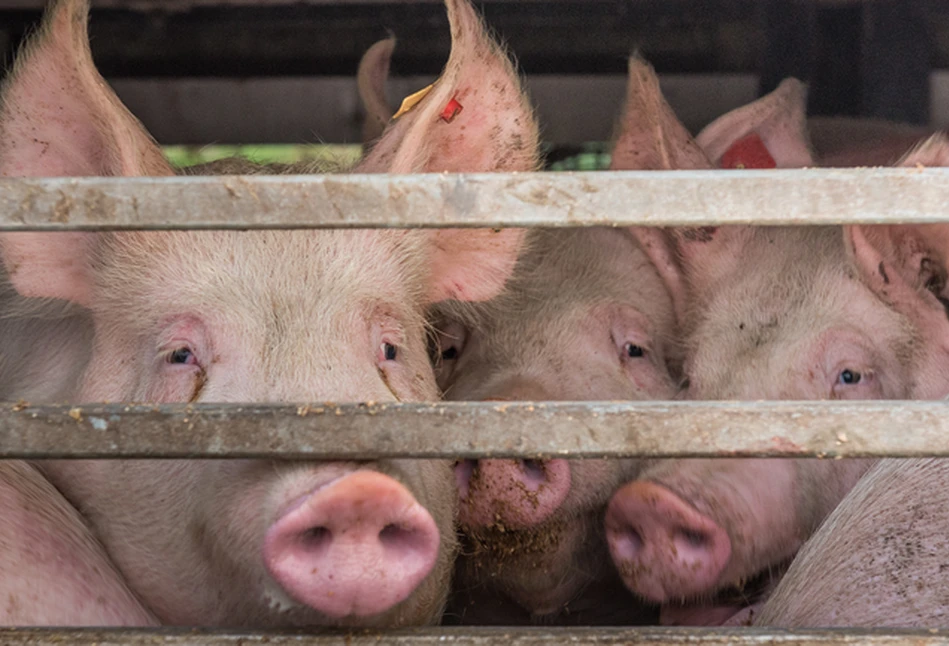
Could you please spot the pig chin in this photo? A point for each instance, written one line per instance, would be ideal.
(535, 568)
(735, 605)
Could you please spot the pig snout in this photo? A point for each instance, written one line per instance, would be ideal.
(663, 548)
(515, 493)
(357, 546)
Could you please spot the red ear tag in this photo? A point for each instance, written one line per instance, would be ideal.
(451, 111)
(748, 152)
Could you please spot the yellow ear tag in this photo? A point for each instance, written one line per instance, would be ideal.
(412, 100)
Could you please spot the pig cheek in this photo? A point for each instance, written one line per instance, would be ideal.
(931, 380)
(594, 482)
(652, 383)
(176, 384)
(113, 374)
(413, 381)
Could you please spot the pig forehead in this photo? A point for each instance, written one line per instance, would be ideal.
(293, 270)
(788, 326)
(567, 268)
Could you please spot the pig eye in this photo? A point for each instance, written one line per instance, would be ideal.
(446, 347)
(849, 377)
(451, 341)
(634, 351)
(182, 356)
(857, 384)
(389, 352)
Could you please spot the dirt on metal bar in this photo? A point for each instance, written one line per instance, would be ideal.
(468, 636)
(654, 198)
(478, 430)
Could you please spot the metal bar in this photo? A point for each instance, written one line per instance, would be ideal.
(479, 429)
(468, 636)
(668, 198)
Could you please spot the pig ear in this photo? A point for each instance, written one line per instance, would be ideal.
(371, 82)
(660, 247)
(59, 118)
(473, 264)
(650, 137)
(689, 259)
(934, 151)
(896, 261)
(50, 264)
(768, 133)
(57, 115)
(475, 118)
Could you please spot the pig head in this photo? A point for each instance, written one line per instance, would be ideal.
(774, 313)
(584, 317)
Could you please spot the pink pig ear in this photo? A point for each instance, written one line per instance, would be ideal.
(473, 264)
(371, 80)
(660, 247)
(50, 264)
(57, 115)
(59, 118)
(475, 118)
(690, 259)
(934, 151)
(899, 262)
(650, 137)
(768, 133)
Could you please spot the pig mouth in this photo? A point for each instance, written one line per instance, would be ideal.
(535, 568)
(732, 605)
(499, 545)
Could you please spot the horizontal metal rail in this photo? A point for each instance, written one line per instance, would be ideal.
(666, 198)
(483, 637)
(477, 430)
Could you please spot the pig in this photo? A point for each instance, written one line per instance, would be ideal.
(853, 312)
(532, 529)
(261, 316)
(879, 560)
(585, 317)
(70, 579)
(800, 141)
(845, 141)
(43, 346)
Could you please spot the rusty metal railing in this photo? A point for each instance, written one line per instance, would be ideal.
(478, 429)
(475, 636)
(623, 198)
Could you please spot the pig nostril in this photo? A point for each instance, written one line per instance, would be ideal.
(464, 469)
(628, 544)
(535, 473)
(396, 537)
(390, 533)
(316, 539)
(694, 538)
